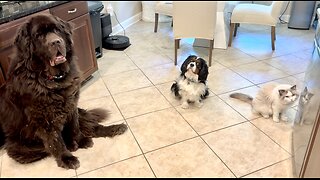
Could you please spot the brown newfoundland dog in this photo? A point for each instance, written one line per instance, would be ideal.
(38, 104)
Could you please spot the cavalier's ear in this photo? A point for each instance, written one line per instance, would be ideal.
(186, 62)
(203, 74)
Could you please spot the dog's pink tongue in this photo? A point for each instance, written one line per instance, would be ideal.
(58, 60)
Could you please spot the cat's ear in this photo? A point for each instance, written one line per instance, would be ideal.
(281, 92)
(305, 89)
(294, 87)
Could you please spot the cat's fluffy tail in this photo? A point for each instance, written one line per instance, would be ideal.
(243, 97)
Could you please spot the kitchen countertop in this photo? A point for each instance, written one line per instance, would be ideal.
(12, 10)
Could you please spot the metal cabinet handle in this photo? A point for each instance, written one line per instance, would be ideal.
(72, 11)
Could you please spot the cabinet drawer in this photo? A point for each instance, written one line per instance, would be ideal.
(70, 10)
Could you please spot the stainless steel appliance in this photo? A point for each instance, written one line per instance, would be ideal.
(306, 130)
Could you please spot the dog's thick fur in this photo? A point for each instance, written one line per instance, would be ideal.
(39, 116)
(191, 86)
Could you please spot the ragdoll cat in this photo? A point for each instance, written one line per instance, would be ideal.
(272, 99)
(305, 97)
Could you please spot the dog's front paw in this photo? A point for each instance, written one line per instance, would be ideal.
(276, 120)
(185, 105)
(85, 142)
(199, 104)
(68, 161)
(72, 146)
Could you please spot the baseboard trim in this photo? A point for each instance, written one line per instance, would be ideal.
(127, 23)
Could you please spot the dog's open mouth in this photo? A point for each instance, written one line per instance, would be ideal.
(58, 59)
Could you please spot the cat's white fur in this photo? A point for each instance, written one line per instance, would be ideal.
(269, 103)
(272, 99)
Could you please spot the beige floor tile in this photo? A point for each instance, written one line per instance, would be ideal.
(159, 129)
(134, 167)
(140, 101)
(191, 158)
(232, 57)
(104, 103)
(281, 132)
(213, 115)
(300, 76)
(126, 81)
(244, 148)
(108, 66)
(162, 73)
(44, 168)
(106, 151)
(259, 72)
(150, 59)
(288, 64)
(280, 170)
(225, 80)
(95, 88)
(241, 107)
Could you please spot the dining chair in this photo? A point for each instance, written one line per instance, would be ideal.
(259, 14)
(194, 19)
(164, 8)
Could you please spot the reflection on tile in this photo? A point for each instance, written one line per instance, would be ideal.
(282, 169)
(140, 101)
(134, 167)
(106, 103)
(225, 80)
(150, 59)
(184, 160)
(44, 168)
(259, 72)
(106, 151)
(161, 128)
(213, 115)
(246, 149)
(126, 81)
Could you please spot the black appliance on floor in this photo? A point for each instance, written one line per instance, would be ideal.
(95, 7)
(301, 14)
(115, 42)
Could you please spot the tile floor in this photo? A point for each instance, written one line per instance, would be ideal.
(221, 139)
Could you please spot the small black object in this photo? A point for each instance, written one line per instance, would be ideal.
(116, 42)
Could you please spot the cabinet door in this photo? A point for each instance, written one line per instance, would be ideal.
(83, 45)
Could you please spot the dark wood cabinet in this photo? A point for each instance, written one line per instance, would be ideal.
(83, 45)
(75, 12)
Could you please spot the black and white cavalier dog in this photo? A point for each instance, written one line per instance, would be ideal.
(191, 85)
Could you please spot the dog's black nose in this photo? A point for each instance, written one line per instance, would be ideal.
(56, 41)
(191, 65)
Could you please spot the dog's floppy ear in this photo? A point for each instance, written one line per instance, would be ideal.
(186, 62)
(23, 40)
(203, 73)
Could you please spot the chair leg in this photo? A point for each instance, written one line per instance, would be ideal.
(236, 29)
(210, 52)
(231, 33)
(176, 45)
(156, 17)
(273, 32)
(172, 23)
